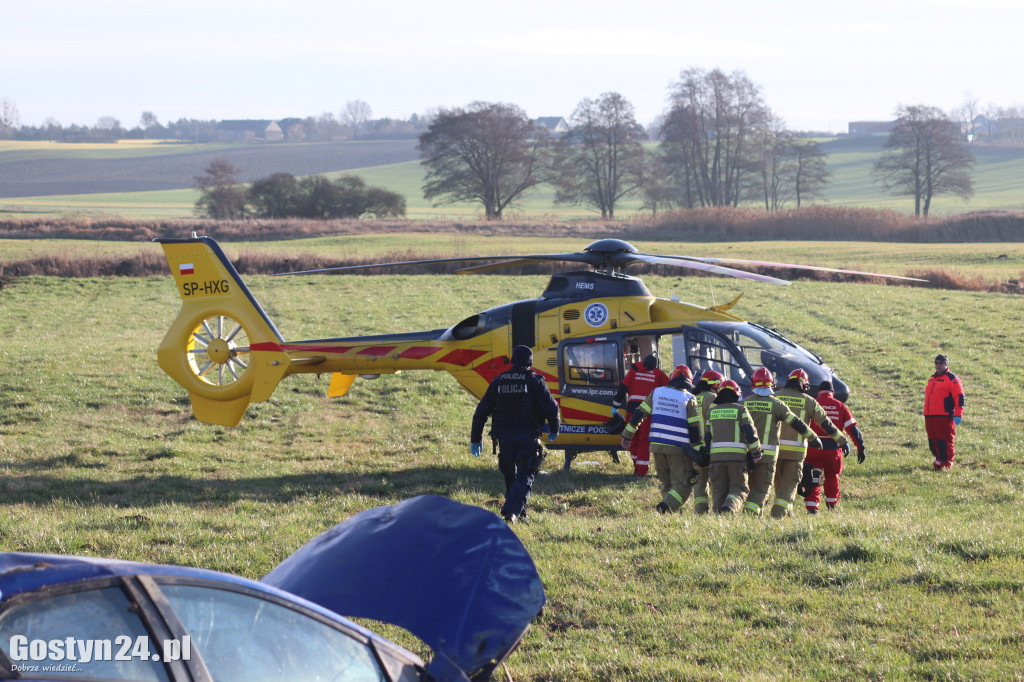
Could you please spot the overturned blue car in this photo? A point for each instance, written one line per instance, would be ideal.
(452, 574)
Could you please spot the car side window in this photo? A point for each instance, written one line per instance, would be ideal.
(85, 635)
(245, 638)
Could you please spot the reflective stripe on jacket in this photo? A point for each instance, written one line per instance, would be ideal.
(791, 444)
(839, 414)
(768, 413)
(671, 412)
(724, 430)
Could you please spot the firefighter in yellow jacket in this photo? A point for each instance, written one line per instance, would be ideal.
(675, 436)
(706, 391)
(768, 413)
(789, 467)
(734, 448)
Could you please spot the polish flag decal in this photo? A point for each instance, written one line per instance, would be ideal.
(187, 268)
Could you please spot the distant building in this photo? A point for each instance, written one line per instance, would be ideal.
(249, 131)
(871, 127)
(555, 124)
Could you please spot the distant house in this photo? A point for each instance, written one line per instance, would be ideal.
(293, 129)
(249, 131)
(555, 124)
(871, 127)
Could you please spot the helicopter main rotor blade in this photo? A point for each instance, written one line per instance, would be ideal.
(697, 264)
(577, 257)
(817, 268)
(498, 266)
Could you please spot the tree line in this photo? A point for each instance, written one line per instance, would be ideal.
(719, 144)
(354, 120)
(282, 195)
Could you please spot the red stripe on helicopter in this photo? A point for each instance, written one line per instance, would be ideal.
(581, 415)
(318, 349)
(462, 357)
(376, 350)
(550, 378)
(489, 370)
(418, 352)
(268, 346)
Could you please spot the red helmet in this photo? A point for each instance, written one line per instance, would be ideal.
(763, 378)
(684, 370)
(801, 376)
(730, 385)
(711, 377)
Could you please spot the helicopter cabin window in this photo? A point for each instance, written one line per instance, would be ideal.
(592, 363)
(636, 348)
(707, 351)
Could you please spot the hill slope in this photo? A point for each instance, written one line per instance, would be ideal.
(50, 173)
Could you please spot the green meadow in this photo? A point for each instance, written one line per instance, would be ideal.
(996, 177)
(918, 575)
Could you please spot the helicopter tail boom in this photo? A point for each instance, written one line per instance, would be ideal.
(222, 348)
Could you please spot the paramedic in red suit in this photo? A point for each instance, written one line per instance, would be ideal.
(641, 379)
(829, 458)
(943, 407)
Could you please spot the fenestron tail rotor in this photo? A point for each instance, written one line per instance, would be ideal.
(218, 350)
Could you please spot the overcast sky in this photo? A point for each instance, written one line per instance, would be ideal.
(819, 64)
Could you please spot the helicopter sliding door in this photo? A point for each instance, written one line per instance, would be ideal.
(591, 371)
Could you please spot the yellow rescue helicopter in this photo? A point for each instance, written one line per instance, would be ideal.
(586, 330)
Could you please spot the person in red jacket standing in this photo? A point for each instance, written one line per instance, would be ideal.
(829, 457)
(943, 408)
(640, 381)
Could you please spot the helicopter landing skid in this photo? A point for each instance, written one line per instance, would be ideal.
(571, 454)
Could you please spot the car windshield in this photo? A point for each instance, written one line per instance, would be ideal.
(245, 638)
(94, 634)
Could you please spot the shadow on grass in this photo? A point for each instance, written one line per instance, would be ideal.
(151, 491)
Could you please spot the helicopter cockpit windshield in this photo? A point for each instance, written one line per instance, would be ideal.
(737, 348)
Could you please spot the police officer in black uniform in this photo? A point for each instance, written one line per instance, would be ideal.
(518, 402)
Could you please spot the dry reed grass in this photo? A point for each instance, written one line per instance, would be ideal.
(812, 223)
(252, 263)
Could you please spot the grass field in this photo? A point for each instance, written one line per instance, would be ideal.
(919, 575)
(997, 181)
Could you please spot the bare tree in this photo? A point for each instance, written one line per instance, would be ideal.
(356, 113)
(488, 153)
(774, 147)
(148, 122)
(927, 155)
(601, 159)
(52, 127)
(811, 174)
(221, 195)
(108, 129)
(707, 135)
(327, 127)
(967, 115)
(9, 118)
(659, 192)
